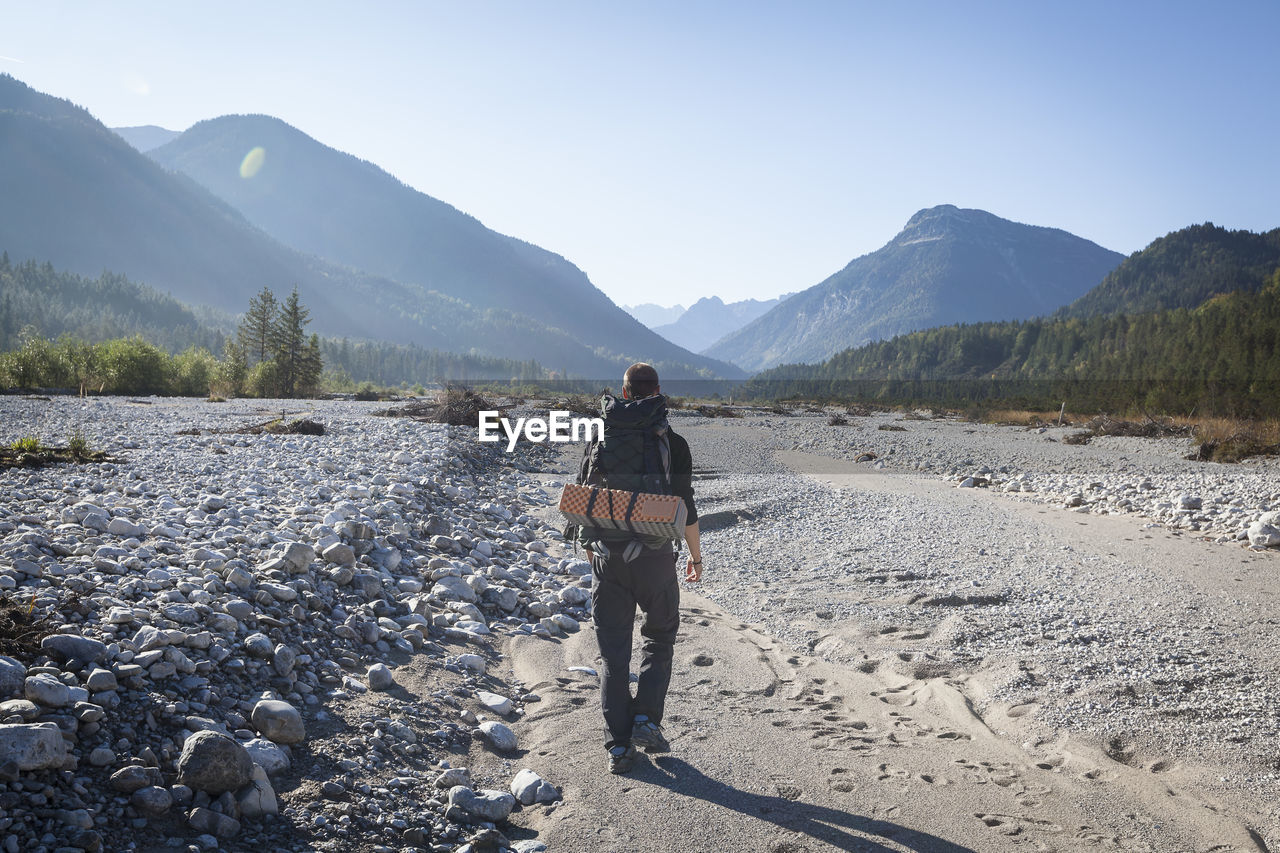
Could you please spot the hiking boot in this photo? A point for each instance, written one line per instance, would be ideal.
(622, 759)
(647, 735)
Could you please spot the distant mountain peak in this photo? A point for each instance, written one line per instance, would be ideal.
(948, 264)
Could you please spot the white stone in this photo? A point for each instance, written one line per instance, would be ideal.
(496, 703)
(529, 788)
(500, 737)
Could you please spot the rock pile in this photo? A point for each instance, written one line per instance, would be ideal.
(216, 603)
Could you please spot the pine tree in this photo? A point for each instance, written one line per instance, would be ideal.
(312, 367)
(257, 331)
(291, 346)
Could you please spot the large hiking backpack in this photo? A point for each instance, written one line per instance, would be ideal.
(634, 455)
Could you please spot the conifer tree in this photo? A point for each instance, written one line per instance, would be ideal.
(291, 346)
(257, 332)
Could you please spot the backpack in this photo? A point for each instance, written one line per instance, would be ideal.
(634, 455)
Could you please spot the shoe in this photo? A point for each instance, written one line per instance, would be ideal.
(647, 735)
(622, 759)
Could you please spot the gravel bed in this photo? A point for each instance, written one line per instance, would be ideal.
(266, 641)
(319, 613)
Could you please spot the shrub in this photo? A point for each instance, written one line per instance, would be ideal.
(263, 380)
(194, 371)
(78, 445)
(133, 366)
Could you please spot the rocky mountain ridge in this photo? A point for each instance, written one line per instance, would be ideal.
(947, 265)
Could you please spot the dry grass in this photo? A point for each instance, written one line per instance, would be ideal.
(1021, 417)
(1229, 440)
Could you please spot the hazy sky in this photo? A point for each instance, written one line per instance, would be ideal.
(739, 149)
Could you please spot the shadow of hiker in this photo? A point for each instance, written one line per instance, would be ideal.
(843, 830)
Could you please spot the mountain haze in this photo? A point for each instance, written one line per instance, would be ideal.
(654, 315)
(75, 194)
(948, 265)
(335, 206)
(710, 319)
(147, 136)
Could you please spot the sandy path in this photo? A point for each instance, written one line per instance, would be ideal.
(774, 750)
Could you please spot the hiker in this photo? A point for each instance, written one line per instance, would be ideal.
(639, 452)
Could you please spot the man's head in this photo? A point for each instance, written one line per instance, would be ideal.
(640, 381)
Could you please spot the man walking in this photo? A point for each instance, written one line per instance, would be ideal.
(639, 452)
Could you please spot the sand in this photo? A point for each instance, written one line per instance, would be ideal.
(778, 749)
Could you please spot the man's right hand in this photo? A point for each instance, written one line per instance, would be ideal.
(693, 570)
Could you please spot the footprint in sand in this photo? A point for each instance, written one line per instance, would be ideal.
(1016, 824)
(897, 696)
(1108, 841)
(1021, 710)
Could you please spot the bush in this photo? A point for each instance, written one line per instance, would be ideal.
(263, 380)
(194, 372)
(133, 366)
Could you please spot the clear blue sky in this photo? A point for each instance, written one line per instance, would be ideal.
(675, 150)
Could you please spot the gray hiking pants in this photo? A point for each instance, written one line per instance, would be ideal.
(616, 588)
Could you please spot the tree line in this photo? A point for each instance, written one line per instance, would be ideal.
(270, 355)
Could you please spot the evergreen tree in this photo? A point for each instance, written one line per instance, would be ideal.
(312, 367)
(257, 332)
(291, 346)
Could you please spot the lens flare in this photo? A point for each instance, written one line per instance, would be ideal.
(252, 162)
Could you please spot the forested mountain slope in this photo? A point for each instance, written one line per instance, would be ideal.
(1182, 270)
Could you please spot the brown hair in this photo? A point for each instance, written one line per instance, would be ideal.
(640, 381)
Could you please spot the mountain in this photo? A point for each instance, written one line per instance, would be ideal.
(1220, 356)
(1183, 269)
(334, 206)
(75, 194)
(77, 310)
(654, 315)
(948, 265)
(710, 319)
(147, 136)
(56, 303)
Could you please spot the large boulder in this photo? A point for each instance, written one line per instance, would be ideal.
(32, 746)
(487, 805)
(73, 647)
(214, 763)
(500, 737)
(1264, 534)
(278, 721)
(529, 788)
